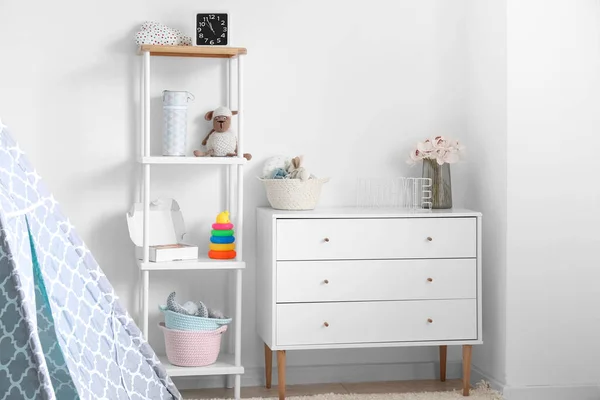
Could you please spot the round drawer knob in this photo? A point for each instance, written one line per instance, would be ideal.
(429, 279)
(326, 281)
(326, 324)
(326, 240)
(429, 320)
(429, 239)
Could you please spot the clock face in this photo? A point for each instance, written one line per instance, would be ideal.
(211, 29)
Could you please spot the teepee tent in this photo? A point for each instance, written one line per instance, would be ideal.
(63, 333)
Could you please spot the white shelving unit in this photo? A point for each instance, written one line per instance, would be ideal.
(193, 160)
(228, 364)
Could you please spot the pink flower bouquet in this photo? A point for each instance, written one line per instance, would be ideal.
(439, 148)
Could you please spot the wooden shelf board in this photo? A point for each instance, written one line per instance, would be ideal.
(202, 263)
(192, 51)
(225, 365)
(165, 160)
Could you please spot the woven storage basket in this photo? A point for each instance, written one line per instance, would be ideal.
(192, 349)
(294, 194)
(183, 322)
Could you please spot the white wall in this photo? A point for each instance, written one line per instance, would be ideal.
(390, 73)
(553, 323)
(486, 165)
(533, 79)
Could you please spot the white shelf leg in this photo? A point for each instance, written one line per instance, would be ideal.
(140, 310)
(145, 274)
(238, 329)
(142, 121)
(230, 83)
(147, 104)
(239, 215)
(229, 189)
(140, 185)
(240, 226)
(230, 381)
(146, 194)
(231, 277)
(240, 101)
(146, 291)
(238, 387)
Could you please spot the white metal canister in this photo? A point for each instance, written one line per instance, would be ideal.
(175, 104)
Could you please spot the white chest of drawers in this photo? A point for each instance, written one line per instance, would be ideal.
(350, 278)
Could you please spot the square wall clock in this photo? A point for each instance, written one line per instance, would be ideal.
(212, 29)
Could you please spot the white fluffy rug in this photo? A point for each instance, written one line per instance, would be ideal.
(481, 392)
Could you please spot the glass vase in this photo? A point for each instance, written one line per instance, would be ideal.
(441, 185)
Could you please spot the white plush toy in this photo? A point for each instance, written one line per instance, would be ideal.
(221, 141)
(273, 163)
(190, 307)
(157, 33)
(224, 141)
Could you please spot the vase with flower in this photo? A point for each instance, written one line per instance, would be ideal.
(437, 154)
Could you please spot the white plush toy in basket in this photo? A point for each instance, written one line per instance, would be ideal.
(289, 185)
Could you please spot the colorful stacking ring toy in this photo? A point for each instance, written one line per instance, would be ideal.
(222, 241)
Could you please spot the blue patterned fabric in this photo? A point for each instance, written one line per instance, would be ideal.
(57, 366)
(63, 333)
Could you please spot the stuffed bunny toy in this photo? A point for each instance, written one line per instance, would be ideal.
(296, 170)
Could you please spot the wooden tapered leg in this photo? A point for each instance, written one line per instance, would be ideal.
(281, 373)
(467, 351)
(443, 354)
(268, 366)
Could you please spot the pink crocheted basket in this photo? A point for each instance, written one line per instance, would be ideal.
(192, 348)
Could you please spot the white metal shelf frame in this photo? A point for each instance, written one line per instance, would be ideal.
(231, 366)
(159, 160)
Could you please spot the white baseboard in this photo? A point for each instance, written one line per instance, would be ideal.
(306, 374)
(478, 375)
(576, 392)
(579, 392)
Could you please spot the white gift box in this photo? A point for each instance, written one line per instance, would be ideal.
(167, 232)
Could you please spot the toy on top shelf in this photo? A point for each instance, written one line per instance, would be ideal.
(156, 33)
(222, 241)
(221, 141)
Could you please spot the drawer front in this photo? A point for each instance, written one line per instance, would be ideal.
(369, 280)
(373, 322)
(343, 239)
